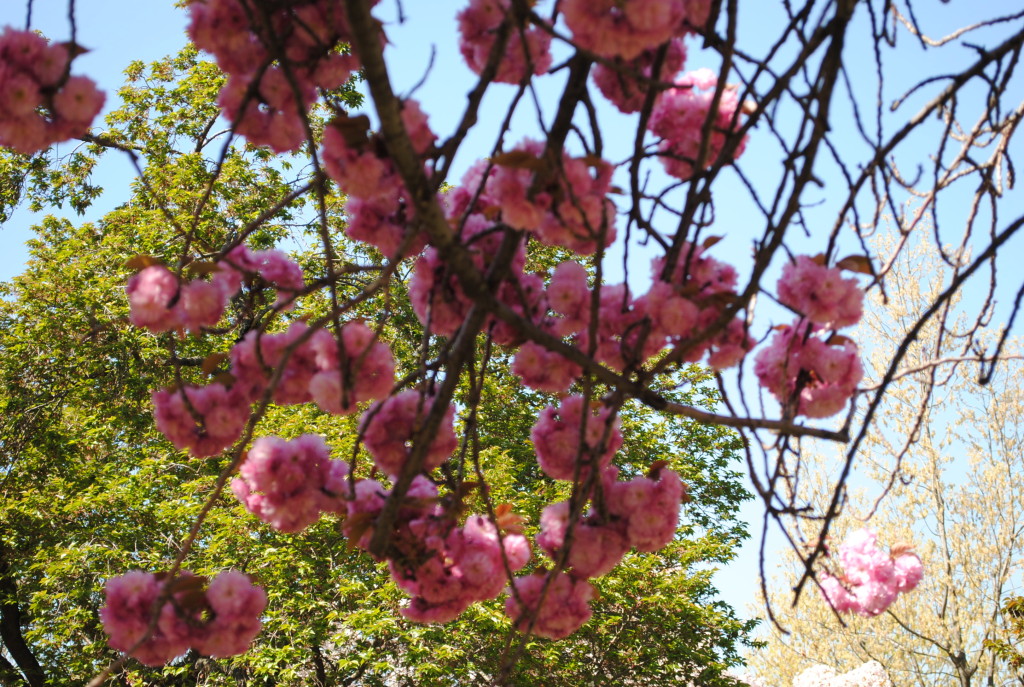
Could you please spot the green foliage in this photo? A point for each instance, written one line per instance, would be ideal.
(1008, 649)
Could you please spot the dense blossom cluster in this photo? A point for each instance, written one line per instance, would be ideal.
(815, 376)
(444, 567)
(390, 426)
(821, 294)
(870, 674)
(871, 578)
(379, 210)
(288, 484)
(203, 420)
(680, 116)
(614, 29)
(220, 621)
(276, 57)
(527, 48)
(40, 104)
(617, 83)
(280, 57)
(556, 438)
(804, 366)
(161, 303)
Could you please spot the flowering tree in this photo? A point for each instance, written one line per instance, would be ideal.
(957, 498)
(510, 260)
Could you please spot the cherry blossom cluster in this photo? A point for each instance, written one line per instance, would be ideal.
(617, 83)
(813, 375)
(627, 29)
(220, 621)
(527, 50)
(289, 484)
(681, 115)
(159, 302)
(641, 513)
(565, 206)
(336, 372)
(445, 568)
(804, 366)
(204, 420)
(870, 674)
(40, 104)
(556, 439)
(276, 57)
(438, 299)
(390, 427)
(871, 577)
(679, 307)
(379, 209)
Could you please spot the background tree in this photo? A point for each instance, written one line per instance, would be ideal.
(946, 481)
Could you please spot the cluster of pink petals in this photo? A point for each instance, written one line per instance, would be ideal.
(870, 674)
(379, 209)
(259, 357)
(463, 565)
(641, 513)
(596, 548)
(39, 103)
(647, 506)
(820, 293)
(626, 29)
(336, 375)
(336, 372)
(622, 331)
(288, 484)
(445, 568)
(817, 375)
(630, 331)
(544, 370)
(265, 108)
(214, 421)
(556, 438)
(440, 303)
(159, 302)
(689, 299)
(357, 368)
(871, 578)
(571, 210)
(527, 51)
(220, 621)
(565, 607)
(617, 83)
(272, 267)
(276, 59)
(390, 426)
(679, 118)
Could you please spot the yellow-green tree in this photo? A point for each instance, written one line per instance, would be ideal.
(942, 471)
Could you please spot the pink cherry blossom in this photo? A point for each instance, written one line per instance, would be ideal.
(390, 426)
(564, 610)
(618, 85)
(527, 50)
(288, 484)
(556, 438)
(871, 578)
(214, 422)
(679, 119)
(820, 293)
